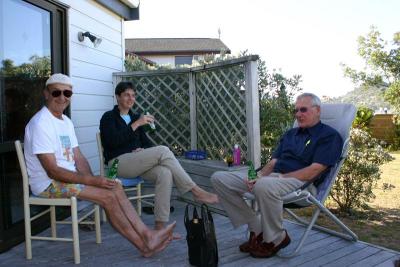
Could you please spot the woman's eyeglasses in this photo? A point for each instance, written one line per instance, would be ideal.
(57, 93)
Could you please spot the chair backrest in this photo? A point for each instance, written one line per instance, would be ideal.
(101, 155)
(24, 171)
(340, 117)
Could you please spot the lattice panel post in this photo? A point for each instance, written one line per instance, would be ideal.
(252, 113)
(193, 111)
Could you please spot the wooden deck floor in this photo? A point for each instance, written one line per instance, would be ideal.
(320, 249)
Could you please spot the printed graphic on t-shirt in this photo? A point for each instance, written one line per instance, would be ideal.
(66, 148)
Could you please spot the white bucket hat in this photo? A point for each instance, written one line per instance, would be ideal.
(59, 78)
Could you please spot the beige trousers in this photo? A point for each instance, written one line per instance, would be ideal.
(158, 165)
(269, 190)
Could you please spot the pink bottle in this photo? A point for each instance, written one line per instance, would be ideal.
(236, 155)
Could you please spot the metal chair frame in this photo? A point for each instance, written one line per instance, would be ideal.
(302, 198)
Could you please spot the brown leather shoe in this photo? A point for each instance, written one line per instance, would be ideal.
(266, 250)
(253, 241)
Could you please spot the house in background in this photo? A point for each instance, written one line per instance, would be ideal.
(40, 37)
(174, 51)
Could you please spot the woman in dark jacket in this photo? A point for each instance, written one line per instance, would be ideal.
(123, 137)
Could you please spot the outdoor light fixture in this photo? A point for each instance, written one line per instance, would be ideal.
(95, 40)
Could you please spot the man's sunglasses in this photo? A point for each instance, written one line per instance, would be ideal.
(57, 93)
(302, 110)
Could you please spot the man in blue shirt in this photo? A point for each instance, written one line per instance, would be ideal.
(304, 153)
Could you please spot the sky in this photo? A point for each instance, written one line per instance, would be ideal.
(306, 37)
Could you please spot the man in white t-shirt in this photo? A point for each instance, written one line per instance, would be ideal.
(57, 169)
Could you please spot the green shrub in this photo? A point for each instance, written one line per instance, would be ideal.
(360, 171)
(363, 118)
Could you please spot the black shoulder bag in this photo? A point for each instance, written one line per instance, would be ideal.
(201, 239)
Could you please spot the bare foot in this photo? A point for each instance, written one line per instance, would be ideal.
(161, 247)
(176, 236)
(154, 238)
(203, 196)
(160, 225)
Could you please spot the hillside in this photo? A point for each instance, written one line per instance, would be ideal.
(371, 97)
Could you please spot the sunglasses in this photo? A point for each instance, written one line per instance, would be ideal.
(302, 110)
(57, 93)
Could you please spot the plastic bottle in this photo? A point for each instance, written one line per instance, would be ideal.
(151, 126)
(251, 174)
(236, 155)
(113, 171)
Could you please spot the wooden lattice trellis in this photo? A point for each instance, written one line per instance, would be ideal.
(211, 107)
(221, 110)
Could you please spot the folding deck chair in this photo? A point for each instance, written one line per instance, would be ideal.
(340, 117)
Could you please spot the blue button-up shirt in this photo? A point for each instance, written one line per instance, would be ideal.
(299, 148)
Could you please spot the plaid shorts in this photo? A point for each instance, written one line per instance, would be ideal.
(62, 190)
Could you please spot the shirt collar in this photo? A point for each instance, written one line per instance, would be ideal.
(311, 130)
(116, 110)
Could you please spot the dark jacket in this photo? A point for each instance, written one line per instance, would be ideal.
(117, 137)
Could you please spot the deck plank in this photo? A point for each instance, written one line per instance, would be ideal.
(374, 259)
(336, 254)
(354, 257)
(389, 262)
(319, 249)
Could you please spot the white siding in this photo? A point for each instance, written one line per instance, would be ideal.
(91, 69)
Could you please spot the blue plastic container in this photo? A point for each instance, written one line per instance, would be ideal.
(196, 154)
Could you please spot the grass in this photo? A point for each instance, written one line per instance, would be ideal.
(380, 223)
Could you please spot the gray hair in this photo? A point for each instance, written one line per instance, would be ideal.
(314, 99)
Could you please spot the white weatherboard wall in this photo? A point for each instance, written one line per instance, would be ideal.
(91, 69)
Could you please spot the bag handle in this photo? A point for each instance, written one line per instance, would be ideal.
(186, 217)
(206, 217)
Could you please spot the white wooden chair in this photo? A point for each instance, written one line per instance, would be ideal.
(30, 200)
(130, 184)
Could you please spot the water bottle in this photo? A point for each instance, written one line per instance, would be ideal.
(151, 127)
(113, 171)
(251, 174)
(236, 155)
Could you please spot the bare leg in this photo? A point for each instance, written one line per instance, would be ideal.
(151, 237)
(132, 230)
(201, 195)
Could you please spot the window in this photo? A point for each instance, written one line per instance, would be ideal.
(183, 60)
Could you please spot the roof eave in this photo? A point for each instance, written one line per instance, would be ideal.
(126, 11)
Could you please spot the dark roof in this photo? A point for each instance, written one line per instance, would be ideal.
(174, 45)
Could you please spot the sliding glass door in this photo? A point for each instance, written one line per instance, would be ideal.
(32, 46)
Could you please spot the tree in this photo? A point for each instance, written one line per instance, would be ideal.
(382, 65)
(276, 104)
(38, 67)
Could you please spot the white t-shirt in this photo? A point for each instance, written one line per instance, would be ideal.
(47, 134)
